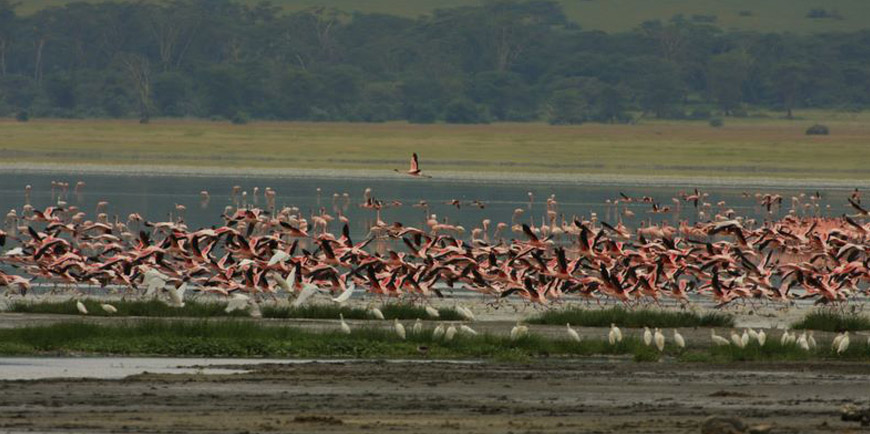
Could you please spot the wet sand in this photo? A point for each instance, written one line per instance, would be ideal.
(548, 396)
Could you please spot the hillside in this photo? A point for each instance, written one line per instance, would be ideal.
(619, 15)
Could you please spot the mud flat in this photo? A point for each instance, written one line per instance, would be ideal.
(603, 396)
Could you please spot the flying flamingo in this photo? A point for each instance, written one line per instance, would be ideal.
(414, 170)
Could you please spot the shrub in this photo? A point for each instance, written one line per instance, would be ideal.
(818, 130)
(463, 111)
(716, 122)
(240, 118)
(700, 114)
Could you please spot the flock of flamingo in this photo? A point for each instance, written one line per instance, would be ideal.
(262, 252)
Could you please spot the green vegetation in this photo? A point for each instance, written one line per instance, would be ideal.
(492, 61)
(196, 309)
(390, 311)
(830, 321)
(234, 338)
(631, 318)
(773, 351)
(744, 148)
(610, 16)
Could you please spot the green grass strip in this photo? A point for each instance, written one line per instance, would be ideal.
(828, 321)
(234, 338)
(631, 318)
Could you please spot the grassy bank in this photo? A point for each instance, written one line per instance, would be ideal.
(195, 309)
(833, 322)
(233, 338)
(767, 148)
(631, 318)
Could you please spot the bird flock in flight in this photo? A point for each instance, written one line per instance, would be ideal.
(259, 252)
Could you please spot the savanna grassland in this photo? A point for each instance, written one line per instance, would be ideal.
(611, 16)
(751, 147)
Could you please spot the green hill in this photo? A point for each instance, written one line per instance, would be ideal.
(618, 15)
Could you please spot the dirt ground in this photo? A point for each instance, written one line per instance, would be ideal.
(549, 396)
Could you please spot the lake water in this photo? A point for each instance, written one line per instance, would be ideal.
(156, 197)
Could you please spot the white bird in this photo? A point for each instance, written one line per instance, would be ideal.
(744, 338)
(762, 338)
(81, 307)
(836, 342)
(344, 327)
(108, 308)
(255, 311)
(679, 340)
(753, 335)
(660, 340)
(647, 336)
(153, 281)
(308, 289)
(18, 251)
(785, 338)
(438, 332)
(375, 312)
(573, 333)
(418, 327)
(465, 312)
(811, 340)
(467, 330)
(844, 344)
(399, 328)
(431, 311)
(802, 342)
(737, 340)
(615, 335)
(237, 302)
(176, 295)
(718, 340)
(345, 295)
(518, 331)
(448, 335)
(287, 283)
(279, 256)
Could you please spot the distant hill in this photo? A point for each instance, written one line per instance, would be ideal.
(800, 16)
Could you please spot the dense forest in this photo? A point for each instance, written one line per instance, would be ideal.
(502, 61)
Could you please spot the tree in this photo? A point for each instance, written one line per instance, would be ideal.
(658, 86)
(505, 94)
(138, 70)
(173, 27)
(568, 107)
(726, 75)
(464, 111)
(790, 79)
(8, 29)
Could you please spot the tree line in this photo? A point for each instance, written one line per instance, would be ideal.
(500, 61)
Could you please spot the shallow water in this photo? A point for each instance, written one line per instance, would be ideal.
(107, 368)
(156, 197)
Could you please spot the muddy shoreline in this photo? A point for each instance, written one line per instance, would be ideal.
(547, 396)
